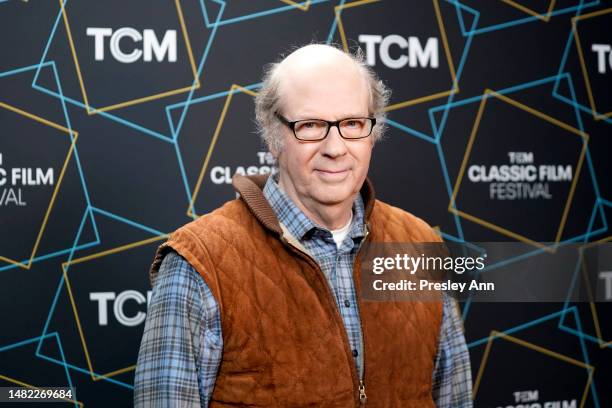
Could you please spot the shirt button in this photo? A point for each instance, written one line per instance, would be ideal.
(347, 303)
(355, 353)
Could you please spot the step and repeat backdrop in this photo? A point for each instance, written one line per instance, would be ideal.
(121, 121)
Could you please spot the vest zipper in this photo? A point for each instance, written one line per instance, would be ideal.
(361, 396)
(362, 392)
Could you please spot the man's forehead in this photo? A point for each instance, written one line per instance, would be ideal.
(315, 61)
(322, 78)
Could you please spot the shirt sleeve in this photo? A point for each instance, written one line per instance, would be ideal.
(182, 344)
(452, 376)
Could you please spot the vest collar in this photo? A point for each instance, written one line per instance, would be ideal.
(250, 189)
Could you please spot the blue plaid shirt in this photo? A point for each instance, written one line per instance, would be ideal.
(182, 344)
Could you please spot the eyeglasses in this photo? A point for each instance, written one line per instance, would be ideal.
(312, 130)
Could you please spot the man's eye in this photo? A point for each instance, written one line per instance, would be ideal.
(309, 125)
(353, 123)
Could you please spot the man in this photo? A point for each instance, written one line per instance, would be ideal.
(258, 302)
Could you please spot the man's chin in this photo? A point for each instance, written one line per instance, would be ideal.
(332, 196)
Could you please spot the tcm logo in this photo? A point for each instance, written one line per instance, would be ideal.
(531, 399)
(138, 46)
(604, 56)
(117, 302)
(408, 51)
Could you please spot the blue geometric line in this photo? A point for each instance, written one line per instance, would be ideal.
(456, 81)
(410, 131)
(201, 99)
(525, 20)
(179, 158)
(458, 7)
(89, 211)
(51, 255)
(110, 116)
(536, 251)
(76, 159)
(61, 282)
(477, 98)
(61, 349)
(538, 321)
(582, 238)
(586, 336)
(127, 221)
(87, 372)
(332, 30)
(21, 343)
(107, 115)
(586, 358)
(199, 73)
(212, 96)
(563, 98)
(573, 283)
(523, 326)
(462, 61)
(449, 188)
(256, 14)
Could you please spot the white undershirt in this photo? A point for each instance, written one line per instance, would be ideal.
(341, 233)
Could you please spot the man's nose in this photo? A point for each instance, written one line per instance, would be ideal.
(333, 145)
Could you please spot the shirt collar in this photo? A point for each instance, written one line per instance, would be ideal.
(296, 222)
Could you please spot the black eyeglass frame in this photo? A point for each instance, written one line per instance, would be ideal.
(330, 124)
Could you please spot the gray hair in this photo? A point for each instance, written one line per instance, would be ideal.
(268, 100)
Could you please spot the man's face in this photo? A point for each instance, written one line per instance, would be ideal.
(331, 171)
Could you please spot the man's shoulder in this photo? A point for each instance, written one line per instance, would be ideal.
(211, 234)
(230, 216)
(389, 217)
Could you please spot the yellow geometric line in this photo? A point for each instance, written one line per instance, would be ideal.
(74, 135)
(585, 74)
(496, 334)
(452, 205)
(544, 17)
(73, 52)
(233, 89)
(114, 250)
(117, 372)
(447, 53)
(303, 7)
(37, 118)
(593, 307)
(93, 111)
(96, 377)
(21, 383)
(194, 70)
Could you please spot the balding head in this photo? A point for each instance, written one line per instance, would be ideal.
(305, 69)
(300, 72)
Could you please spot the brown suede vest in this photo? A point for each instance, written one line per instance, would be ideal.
(284, 340)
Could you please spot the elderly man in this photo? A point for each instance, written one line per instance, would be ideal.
(258, 303)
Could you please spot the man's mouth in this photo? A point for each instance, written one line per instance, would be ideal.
(332, 171)
(332, 174)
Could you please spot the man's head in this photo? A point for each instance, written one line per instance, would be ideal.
(320, 82)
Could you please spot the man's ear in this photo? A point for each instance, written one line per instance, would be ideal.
(275, 150)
